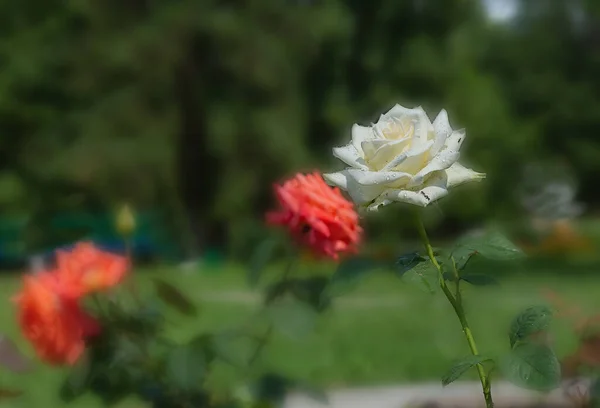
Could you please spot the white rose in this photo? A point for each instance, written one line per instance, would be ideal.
(403, 157)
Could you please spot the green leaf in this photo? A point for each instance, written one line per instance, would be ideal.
(111, 385)
(174, 298)
(449, 276)
(156, 349)
(292, 318)
(425, 276)
(462, 257)
(148, 318)
(233, 349)
(530, 321)
(462, 366)
(277, 290)
(492, 245)
(206, 343)
(312, 290)
(440, 252)
(231, 346)
(478, 279)
(77, 381)
(115, 366)
(406, 262)
(126, 352)
(11, 357)
(272, 387)
(261, 257)
(532, 366)
(186, 368)
(349, 272)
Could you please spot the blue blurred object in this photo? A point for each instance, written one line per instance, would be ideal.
(151, 392)
(150, 241)
(140, 248)
(213, 258)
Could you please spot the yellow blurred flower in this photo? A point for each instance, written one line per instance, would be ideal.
(125, 221)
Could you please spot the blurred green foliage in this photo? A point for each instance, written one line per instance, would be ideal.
(197, 107)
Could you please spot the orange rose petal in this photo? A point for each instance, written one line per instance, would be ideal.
(317, 215)
(86, 269)
(55, 326)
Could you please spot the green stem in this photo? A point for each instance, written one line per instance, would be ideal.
(131, 284)
(265, 337)
(98, 305)
(128, 252)
(456, 303)
(261, 345)
(457, 293)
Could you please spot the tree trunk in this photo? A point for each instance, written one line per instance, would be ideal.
(197, 170)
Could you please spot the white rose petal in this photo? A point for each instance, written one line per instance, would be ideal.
(406, 122)
(415, 159)
(435, 188)
(423, 131)
(455, 140)
(403, 157)
(440, 162)
(458, 174)
(388, 152)
(371, 178)
(359, 193)
(399, 111)
(360, 134)
(370, 147)
(416, 156)
(349, 155)
(442, 130)
(338, 179)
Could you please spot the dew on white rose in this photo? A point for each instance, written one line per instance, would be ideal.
(403, 141)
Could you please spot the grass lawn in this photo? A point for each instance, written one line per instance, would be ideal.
(383, 332)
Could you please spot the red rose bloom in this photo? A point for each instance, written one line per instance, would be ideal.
(317, 215)
(86, 269)
(56, 326)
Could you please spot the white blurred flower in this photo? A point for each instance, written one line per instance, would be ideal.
(403, 157)
(548, 192)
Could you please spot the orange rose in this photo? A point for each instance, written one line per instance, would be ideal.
(317, 215)
(86, 269)
(56, 326)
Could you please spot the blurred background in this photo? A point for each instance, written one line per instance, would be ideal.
(189, 110)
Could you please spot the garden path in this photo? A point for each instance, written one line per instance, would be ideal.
(459, 394)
